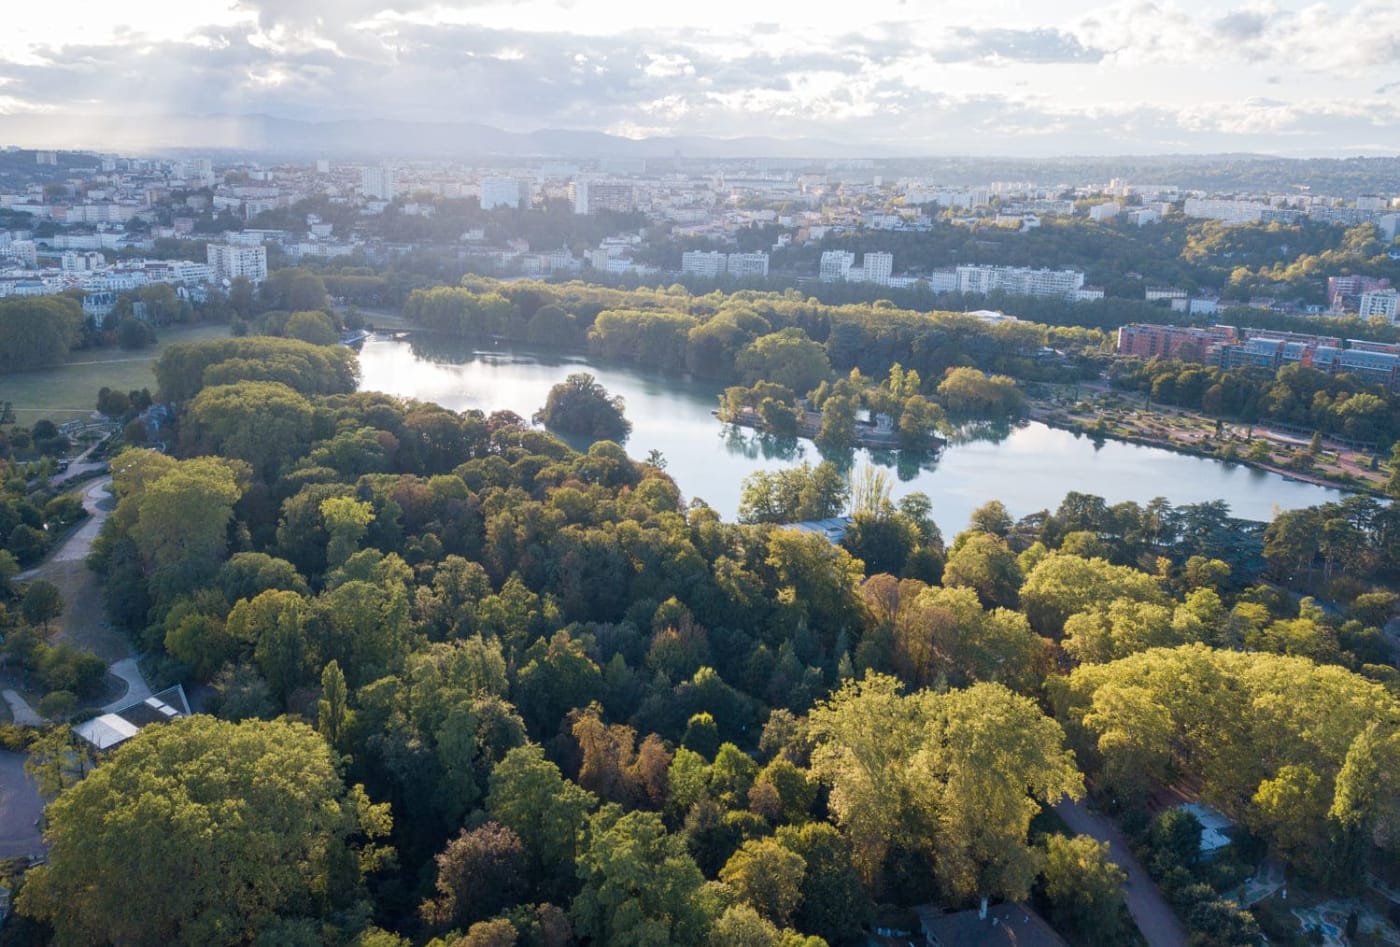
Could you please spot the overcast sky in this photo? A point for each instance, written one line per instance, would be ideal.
(932, 76)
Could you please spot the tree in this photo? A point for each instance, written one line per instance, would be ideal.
(497, 932)
(1084, 888)
(992, 517)
(529, 795)
(293, 290)
(837, 433)
(970, 393)
(333, 714)
(864, 737)
(265, 423)
(479, 874)
(580, 405)
(346, 521)
(38, 331)
(989, 760)
(237, 825)
(983, 562)
(834, 905)
(57, 760)
(787, 357)
(640, 885)
(1061, 585)
(273, 627)
(794, 494)
(311, 326)
(42, 601)
(768, 877)
(181, 520)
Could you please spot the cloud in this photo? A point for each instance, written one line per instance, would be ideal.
(902, 82)
(1241, 25)
(1030, 46)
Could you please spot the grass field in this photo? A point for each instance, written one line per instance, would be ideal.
(70, 390)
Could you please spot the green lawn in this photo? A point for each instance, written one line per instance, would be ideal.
(70, 390)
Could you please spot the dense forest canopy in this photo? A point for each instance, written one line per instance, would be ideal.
(532, 696)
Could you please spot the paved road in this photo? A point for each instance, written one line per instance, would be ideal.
(98, 503)
(24, 714)
(20, 808)
(136, 686)
(1153, 916)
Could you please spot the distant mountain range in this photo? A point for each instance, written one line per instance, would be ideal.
(267, 135)
(264, 137)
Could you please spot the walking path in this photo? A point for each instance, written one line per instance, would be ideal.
(136, 686)
(24, 714)
(1154, 917)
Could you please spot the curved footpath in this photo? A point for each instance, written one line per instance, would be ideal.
(1153, 915)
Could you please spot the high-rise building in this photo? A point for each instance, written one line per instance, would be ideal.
(378, 183)
(230, 262)
(744, 265)
(836, 265)
(878, 267)
(1345, 292)
(709, 263)
(1381, 303)
(593, 196)
(504, 192)
(1019, 281)
(1225, 211)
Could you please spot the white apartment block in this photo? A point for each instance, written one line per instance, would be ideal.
(836, 265)
(712, 263)
(747, 264)
(943, 280)
(878, 267)
(231, 262)
(593, 196)
(81, 261)
(1019, 281)
(191, 273)
(1227, 212)
(504, 192)
(1105, 211)
(1383, 304)
(22, 251)
(378, 183)
(708, 263)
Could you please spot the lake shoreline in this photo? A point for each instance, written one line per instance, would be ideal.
(1030, 467)
(1054, 418)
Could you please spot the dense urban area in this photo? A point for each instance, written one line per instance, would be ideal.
(290, 660)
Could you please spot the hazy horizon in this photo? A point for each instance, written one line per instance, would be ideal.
(887, 78)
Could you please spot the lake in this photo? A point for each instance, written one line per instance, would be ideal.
(1029, 467)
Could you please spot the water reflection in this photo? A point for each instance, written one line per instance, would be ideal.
(1027, 466)
(993, 432)
(746, 442)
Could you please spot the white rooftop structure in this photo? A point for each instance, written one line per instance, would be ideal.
(106, 731)
(1214, 825)
(114, 728)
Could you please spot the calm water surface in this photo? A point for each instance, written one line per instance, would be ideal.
(1028, 468)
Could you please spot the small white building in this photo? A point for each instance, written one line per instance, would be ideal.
(115, 728)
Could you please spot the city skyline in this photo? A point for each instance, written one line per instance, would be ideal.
(1070, 77)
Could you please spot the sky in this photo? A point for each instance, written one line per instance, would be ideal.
(1016, 77)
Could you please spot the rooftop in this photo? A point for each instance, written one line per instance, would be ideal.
(115, 728)
(1006, 925)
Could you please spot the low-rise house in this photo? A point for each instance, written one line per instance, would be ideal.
(115, 728)
(1005, 925)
